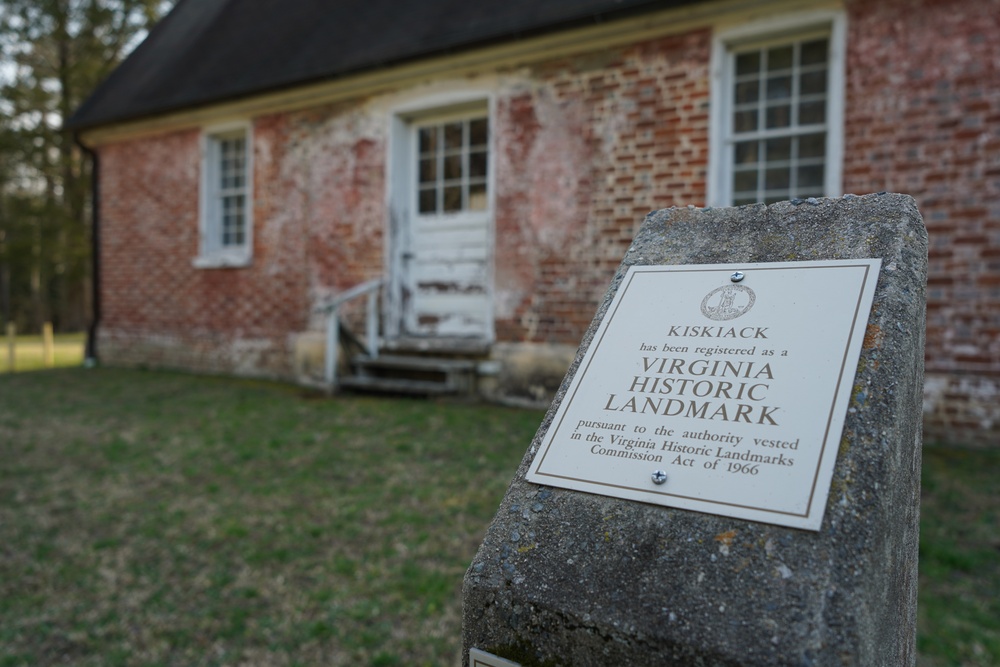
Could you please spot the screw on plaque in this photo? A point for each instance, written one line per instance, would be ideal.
(737, 276)
(658, 477)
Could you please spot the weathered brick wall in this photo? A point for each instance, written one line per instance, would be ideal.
(318, 217)
(611, 136)
(584, 147)
(923, 117)
(323, 172)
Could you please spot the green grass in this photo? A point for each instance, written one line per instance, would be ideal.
(959, 611)
(155, 519)
(29, 352)
(162, 519)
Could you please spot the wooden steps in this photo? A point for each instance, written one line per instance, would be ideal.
(411, 374)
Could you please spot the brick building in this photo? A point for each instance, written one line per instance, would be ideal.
(491, 161)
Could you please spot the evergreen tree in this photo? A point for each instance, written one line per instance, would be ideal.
(53, 53)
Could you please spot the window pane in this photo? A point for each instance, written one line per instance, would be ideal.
(812, 83)
(453, 166)
(746, 152)
(477, 164)
(779, 87)
(428, 170)
(745, 121)
(812, 112)
(743, 201)
(477, 197)
(747, 91)
(815, 52)
(812, 145)
(453, 198)
(453, 136)
(779, 116)
(428, 139)
(777, 179)
(478, 132)
(779, 58)
(748, 63)
(428, 200)
(810, 177)
(745, 181)
(779, 149)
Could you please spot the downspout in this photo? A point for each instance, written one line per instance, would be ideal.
(90, 353)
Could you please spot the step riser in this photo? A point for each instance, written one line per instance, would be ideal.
(411, 375)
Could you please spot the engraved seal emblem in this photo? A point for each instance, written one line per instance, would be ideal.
(728, 302)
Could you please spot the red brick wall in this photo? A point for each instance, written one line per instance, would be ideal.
(612, 137)
(317, 228)
(923, 117)
(584, 147)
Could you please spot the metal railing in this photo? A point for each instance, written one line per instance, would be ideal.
(332, 310)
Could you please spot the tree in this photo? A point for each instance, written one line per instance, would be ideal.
(53, 53)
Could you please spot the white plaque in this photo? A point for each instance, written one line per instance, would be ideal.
(720, 393)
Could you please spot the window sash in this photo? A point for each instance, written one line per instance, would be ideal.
(777, 115)
(228, 178)
(452, 165)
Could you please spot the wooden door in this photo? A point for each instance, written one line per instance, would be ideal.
(444, 264)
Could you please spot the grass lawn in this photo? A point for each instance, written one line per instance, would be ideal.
(959, 611)
(163, 519)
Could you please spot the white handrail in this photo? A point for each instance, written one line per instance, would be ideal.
(332, 310)
(352, 293)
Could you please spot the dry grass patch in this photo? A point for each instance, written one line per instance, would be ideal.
(29, 352)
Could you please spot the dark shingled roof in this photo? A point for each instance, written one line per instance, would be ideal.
(208, 51)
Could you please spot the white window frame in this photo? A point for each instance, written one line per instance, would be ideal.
(789, 26)
(211, 252)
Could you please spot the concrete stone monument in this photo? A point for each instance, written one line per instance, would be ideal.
(729, 474)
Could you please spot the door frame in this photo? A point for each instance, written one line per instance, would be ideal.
(401, 197)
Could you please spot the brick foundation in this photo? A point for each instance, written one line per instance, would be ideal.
(961, 410)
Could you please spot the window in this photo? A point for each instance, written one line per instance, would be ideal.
(226, 204)
(453, 159)
(778, 127)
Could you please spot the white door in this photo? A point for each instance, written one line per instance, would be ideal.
(445, 255)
